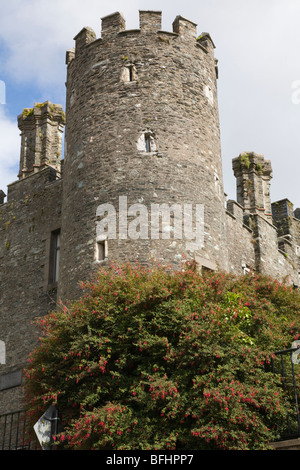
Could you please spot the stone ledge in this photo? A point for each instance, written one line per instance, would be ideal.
(292, 444)
(10, 380)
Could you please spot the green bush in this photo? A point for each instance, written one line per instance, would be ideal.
(151, 359)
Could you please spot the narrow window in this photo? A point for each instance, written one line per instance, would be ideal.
(147, 142)
(54, 257)
(128, 73)
(131, 73)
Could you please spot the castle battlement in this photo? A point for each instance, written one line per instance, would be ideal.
(150, 22)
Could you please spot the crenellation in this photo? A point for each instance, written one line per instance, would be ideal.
(70, 55)
(150, 21)
(235, 209)
(206, 41)
(112, 25)
(185, 28)
(85, 37)
(282, 212)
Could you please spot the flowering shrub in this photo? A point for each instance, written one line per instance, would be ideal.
(151, 359)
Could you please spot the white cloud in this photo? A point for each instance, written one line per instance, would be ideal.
(10, 150)
(38, 32)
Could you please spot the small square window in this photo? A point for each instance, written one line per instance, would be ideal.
(128, 73)
(246, 269)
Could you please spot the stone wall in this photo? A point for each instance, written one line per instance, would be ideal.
(240, 242)
(32, 211)
(269, 259)
(288, 227)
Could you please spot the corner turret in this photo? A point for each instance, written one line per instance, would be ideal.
(253, 175)
(41, 137)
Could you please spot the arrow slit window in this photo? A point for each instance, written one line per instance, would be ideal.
(54, 257)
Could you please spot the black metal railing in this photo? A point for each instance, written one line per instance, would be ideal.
(284, 364)
(13, 434)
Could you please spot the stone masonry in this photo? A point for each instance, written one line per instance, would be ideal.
(141, 130)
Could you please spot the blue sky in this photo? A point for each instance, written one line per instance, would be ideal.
(257, 45)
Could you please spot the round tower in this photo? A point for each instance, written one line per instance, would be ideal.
(142, 139)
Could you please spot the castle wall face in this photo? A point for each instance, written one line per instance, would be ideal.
(33, 209)
(240, 244)
(122, 90)
(269, 259)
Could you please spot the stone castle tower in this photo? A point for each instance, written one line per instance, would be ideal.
(142, 123)
(142, 134)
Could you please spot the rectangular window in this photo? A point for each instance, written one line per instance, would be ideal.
(54, 257)
(101, 253)
(246, 269)
(147, 143)
(10, 380)
(130, 73)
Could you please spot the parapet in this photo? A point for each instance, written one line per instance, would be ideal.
(47, 109)
(70, 54)
(206, 41)
(150, 22)
(112, 25)
(84, 37)
(184, 27)
(283, 213)
(247, 162)
(235, 209)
